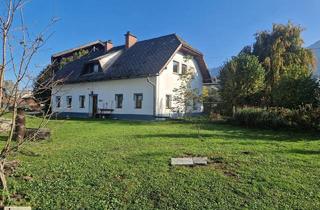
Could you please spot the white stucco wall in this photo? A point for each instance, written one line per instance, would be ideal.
(106, 91)
(168, 80)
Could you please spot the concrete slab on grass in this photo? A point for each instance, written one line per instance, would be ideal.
(181, 161)
(17, 208)
(200, 160)
(189, 161)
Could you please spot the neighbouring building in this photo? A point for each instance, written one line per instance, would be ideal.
(135, 80)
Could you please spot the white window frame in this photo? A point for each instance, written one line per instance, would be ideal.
(116, 99)
(58, 101)
(82, 97)
(69, 103)
(135, 96)
(168, 101)
(178, 67)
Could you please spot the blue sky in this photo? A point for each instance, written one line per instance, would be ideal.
(219, 28)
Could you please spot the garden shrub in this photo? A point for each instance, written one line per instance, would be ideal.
(304, 117)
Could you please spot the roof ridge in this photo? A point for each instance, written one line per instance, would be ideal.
(157, 37)
(186, 44)
(76, 48)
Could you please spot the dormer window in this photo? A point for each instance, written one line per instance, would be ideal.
(92, 68)
(95, 68)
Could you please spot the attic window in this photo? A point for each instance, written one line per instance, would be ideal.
(95, 68)
(92, 68)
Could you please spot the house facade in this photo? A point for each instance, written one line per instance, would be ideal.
(133, 81)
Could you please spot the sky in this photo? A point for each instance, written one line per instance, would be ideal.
(218, 28)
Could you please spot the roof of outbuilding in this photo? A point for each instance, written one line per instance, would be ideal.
(145, 58)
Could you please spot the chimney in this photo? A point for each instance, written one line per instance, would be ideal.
(130, 40)
(108, 45)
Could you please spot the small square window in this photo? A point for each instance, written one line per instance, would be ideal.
(138, 100)
(176, 67)
(58, 101)
(82, 100)
(119, 100)
(168, 101)
(69, 101)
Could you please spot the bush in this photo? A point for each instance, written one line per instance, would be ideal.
(305, 117)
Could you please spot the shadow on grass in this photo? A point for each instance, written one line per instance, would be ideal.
(239, 134)
(106, 121)
(304, 152)
(221, 130)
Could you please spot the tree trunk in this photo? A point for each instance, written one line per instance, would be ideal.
(20, 129)
(234, 110)
(3, 181)
(2, 65)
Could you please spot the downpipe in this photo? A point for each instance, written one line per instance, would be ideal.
(154, 95)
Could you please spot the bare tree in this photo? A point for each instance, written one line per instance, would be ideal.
(20, 49)
(5, 25)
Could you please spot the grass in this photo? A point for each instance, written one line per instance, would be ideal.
(92, 164)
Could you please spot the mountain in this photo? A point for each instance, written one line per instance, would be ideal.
(316, 50)
(214, 72)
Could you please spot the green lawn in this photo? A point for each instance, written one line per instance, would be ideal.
(125, 165)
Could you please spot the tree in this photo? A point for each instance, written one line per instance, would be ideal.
(20, 47)
(291, 92)
(185, 97)
(73, 57)
(241, 79)
(281, 54)
(5, 27)
(210, 98)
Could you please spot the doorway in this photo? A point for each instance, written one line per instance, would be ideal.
(94, 105)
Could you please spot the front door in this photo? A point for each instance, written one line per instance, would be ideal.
(94, 105)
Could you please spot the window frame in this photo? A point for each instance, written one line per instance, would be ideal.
(168, 101)
(195, 103)
(117, 101)
(184, 71)
(58, 101)
(82, 104)
(93, 68)
(69, 103)
(175, 64)
(135, 96)
(89, 68)
(193, 72)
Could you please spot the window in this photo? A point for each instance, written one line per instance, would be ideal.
(195, 104)
(192, 72)
(119, 99)
(175, 67)
(138, 100)
(95, 68)
(168, 101)
(91, 68)
(184, 69)
(58, 101)
(69, 101)
(82, 100)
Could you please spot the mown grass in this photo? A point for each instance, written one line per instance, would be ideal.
(92, 164)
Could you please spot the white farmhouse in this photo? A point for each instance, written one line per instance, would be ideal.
(132, 81)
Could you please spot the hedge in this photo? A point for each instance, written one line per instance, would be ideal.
(304, 117)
